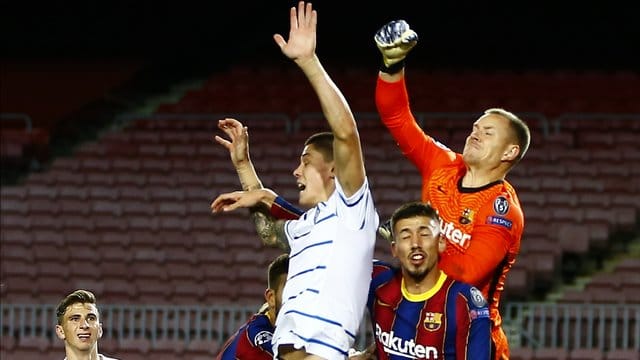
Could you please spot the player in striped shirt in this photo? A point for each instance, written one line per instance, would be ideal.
(331, 245)
(481, 215)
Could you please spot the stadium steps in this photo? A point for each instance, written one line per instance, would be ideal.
(578, 285)
(175, 94)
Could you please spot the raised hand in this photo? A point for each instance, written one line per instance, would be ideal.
(238, 143)
(302, 33)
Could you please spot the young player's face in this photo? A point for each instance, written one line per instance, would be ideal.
(314, 177)
(488, 142)
(416, 245)
(80, 327)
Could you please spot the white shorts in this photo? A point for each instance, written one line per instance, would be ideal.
(330, 341)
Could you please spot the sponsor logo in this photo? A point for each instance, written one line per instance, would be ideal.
(501, 205)
(404, 347)
(455, 235)
(479, 313)
(497, 220)
(432, 321)
(263, 337)
(476, 297)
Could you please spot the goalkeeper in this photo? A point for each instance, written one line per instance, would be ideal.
(482, 220)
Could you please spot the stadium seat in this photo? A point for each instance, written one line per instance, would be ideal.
(551, 353)
(167, 348)
(623, 354)
(586, 354)
(521, 353)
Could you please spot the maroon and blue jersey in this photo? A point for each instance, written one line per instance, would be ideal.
(251, 342)
(450, 321)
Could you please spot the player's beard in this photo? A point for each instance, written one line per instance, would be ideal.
(418, 274)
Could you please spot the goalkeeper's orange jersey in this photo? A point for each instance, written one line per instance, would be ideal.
(483, 226)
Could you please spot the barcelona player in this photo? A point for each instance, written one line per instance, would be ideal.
(416, 310)
(482, 220)
(253, 339)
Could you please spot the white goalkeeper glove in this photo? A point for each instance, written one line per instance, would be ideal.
(394, 40)
(385, 231)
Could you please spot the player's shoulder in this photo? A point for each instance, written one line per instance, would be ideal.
(104, 357)
(472, 294)
(383, 272)
(259, 320)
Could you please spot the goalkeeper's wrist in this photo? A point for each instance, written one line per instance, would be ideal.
(393, 68)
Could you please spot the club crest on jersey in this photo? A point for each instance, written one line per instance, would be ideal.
(501, 205)
(467, 216)
(263, 337)
(432, 321)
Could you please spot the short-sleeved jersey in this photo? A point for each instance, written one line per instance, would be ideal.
(330, 265)
(450, 321)
(483, 226)
(251, 341)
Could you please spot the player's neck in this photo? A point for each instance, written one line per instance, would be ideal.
(420, 290)
(82, 355)
(475, 178)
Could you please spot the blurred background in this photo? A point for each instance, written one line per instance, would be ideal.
(107, 112)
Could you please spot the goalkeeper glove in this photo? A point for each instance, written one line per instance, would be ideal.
(394, 40)
(385, 231)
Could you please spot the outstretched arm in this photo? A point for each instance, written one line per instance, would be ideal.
(259, 201)
(301, 47)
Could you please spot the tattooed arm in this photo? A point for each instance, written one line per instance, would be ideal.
(270, 229)
(259, 201)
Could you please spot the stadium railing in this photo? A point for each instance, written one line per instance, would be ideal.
(537, 325)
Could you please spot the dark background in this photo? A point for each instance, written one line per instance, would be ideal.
(469, 34)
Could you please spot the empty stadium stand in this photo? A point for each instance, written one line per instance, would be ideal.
(127, 215)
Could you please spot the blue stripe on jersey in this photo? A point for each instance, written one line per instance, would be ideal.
(319, 267)
(383, 277)
(303, 291)
(327, 242)
(318, 221)
(287, 206)
(315, 341)
(450, 336)
(317, 318)
(405, 326)
(344, 200)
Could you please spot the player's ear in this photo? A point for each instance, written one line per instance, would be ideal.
(511, 152)
(442, 244)
(270, 297)
(60, 332)
(99, 330)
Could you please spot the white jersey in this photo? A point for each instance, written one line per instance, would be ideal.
(330, 267)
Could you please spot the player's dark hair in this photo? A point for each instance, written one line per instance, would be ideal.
(413, 209)
(323, 142)
(279, 266)
(78, 296)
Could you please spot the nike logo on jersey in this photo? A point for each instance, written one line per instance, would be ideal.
(441, 189)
